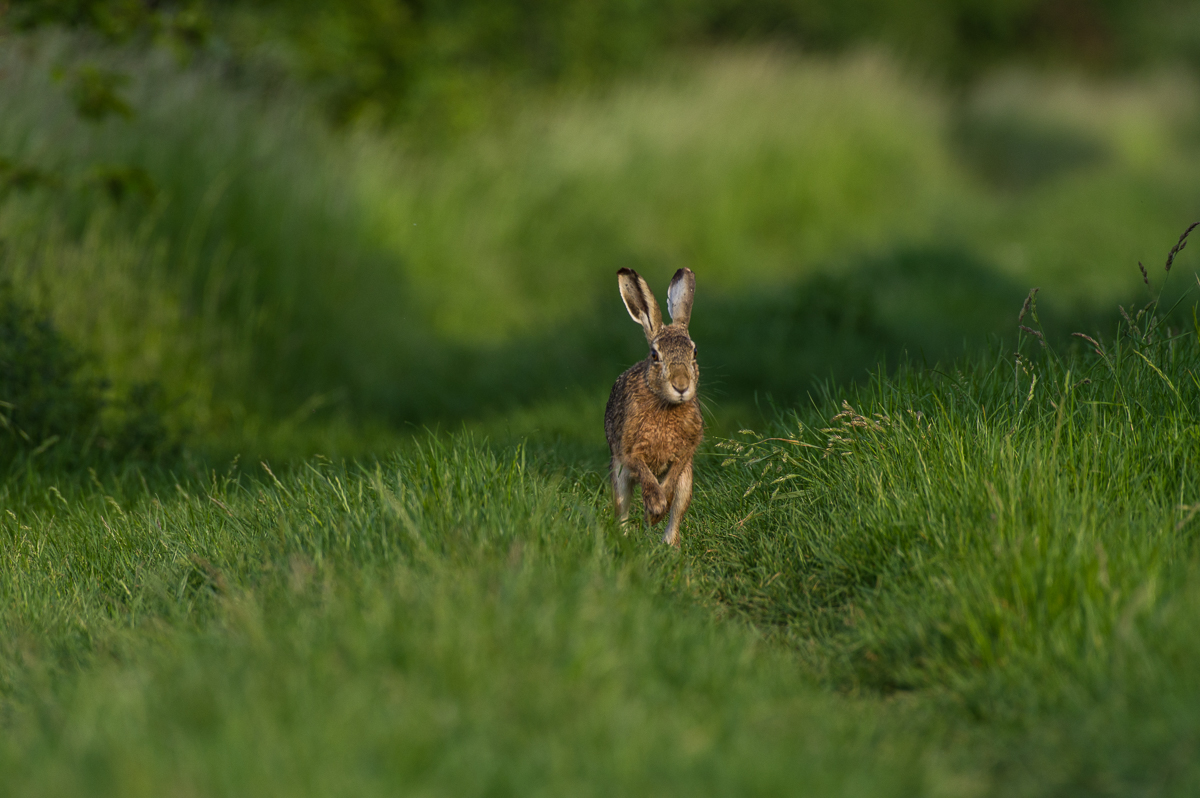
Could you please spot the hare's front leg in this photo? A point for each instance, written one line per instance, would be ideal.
(622, 487)
(679, 504)
(654, 499)
(669, 485)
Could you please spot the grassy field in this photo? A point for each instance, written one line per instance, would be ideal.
(970, 583)
(371, 550)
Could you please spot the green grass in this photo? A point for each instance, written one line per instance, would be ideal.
(453, 621)
(963, 587)
(837, 213)
(966, 581)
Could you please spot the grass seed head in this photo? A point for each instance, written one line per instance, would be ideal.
(1132, 324)
(1179, 245)
(1028, 304)
(1036, 334)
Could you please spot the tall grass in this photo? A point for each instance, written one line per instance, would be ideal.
(244, 246)
(1017, 533)
(268, 271)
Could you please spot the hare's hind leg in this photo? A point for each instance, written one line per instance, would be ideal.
(622, 487)
(679, 505)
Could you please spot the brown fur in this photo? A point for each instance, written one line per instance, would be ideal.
(652, 421)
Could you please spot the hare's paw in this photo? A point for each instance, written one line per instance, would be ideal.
(656, 502)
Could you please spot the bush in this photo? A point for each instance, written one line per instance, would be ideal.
(184, 23)
(44, 399)
(49, 402)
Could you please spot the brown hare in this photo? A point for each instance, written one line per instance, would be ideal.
(652, 421)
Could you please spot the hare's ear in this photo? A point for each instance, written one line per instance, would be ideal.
(679, 297)
(640, 303)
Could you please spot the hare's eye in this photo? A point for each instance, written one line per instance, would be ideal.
(654, 355)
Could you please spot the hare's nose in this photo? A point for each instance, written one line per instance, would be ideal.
(680, 384)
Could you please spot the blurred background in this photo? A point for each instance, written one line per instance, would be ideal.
(286, 226)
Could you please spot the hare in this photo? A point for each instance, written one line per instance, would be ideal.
(652, 420)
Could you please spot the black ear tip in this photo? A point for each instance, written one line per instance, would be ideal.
(626, 272)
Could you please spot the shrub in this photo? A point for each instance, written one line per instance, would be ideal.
(50, 403)
(44, 398)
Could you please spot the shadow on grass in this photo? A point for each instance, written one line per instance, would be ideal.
(1013, 153)
(923, 304)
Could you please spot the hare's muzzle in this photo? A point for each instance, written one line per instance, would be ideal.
(681, 384)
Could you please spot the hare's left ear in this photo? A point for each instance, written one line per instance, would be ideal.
(641, 304)
(679, 297)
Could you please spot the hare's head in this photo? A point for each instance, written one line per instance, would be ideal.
(672, 372)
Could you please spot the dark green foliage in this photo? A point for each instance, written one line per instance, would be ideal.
(22, 177)
(118, 20)
(44, 397)
(402, 55)
(430, 62)
(955, 37)
(96, 94)
(961, 38)
(434, 63)
(137, 425)
(52, 407)
(119, 182)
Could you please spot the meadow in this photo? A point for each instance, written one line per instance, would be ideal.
(306, 493)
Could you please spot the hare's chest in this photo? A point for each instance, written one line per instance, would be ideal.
(669, 435)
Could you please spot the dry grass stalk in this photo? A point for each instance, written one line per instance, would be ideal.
(848, 421)
(1179, 245)
(1132, 324)
(1191, 510)
(1036, 334)
(1090, 340)
(1028, 304)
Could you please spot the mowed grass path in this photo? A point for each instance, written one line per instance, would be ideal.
(962, 581)
(449, 623)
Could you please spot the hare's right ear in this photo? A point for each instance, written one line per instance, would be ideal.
(640, 303)
(679, 297)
